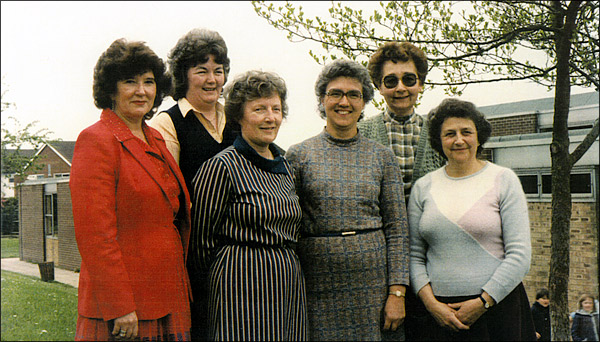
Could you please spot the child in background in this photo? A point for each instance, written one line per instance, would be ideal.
(540, 310)
(585, 320)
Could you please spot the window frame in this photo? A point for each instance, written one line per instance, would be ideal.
(539, 173)
(50, 219)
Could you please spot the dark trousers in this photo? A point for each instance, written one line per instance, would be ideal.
(509, 320)
(199, 309)
(417, 317)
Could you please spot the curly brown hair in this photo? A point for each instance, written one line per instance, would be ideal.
(455, 108)
(397, 52)
(192, 49)
(343, 68)
(123, 60)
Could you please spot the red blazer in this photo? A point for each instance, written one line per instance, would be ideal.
(124, 225)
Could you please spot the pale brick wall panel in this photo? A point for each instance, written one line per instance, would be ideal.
(31, 222)
(583, 251)
(69, 253)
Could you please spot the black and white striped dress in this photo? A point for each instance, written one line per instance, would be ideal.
(246, 218)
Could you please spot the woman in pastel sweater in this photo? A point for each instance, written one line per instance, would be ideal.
(469, 236)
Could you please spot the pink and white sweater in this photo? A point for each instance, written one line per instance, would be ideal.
(469, 234)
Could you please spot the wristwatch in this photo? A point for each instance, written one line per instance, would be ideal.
(397, 293)
(486, 305)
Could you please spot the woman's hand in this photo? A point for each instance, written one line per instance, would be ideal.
(394, 312)
(126, 326)
(469, 311)
(446, 316)
(443, 314)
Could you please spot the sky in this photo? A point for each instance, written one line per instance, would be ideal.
(49, 50)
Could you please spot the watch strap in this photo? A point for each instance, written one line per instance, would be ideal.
(486, 305)
(397, 293)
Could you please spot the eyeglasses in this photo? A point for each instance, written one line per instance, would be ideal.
(337, 94)
(391, 81)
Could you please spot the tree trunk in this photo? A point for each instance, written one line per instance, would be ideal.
(561, 172)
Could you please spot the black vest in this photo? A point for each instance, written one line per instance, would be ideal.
(196, 144)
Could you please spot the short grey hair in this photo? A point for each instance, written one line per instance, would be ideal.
(250, 86)
(343, 68)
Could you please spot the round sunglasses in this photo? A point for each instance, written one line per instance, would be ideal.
(408, 79)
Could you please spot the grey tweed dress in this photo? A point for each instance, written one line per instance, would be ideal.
(354, 234)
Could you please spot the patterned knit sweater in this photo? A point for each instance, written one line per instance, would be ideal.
(426, 158)
(469, 234)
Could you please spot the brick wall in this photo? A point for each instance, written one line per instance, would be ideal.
(58, 165)
(521, 124)
(69, 253)
(31, 226)
(47, 156)
(583, 275)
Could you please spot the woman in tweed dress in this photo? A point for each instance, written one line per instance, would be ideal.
(247, 218)
(354, 236)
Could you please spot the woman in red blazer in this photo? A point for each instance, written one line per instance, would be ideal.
(130, 207)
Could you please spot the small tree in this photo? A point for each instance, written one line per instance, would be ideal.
(14, 161)
(17, 138)
(13, 144)
(552, 43)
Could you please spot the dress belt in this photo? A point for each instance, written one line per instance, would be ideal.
(254, 244)
(338, 234)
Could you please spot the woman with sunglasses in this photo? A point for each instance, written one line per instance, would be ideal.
(398, 70)
(354, 238)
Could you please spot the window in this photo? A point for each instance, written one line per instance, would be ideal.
(50, 214)
(538, 183)
(35, 177)
(529, 183)
(581, 184)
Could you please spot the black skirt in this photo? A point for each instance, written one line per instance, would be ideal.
(509, 320)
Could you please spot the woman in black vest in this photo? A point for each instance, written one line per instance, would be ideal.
(195, 129)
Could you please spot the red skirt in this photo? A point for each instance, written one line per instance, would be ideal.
(172, 327)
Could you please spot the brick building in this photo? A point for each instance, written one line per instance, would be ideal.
(521, 135)
(46, 231)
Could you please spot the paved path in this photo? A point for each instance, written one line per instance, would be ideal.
(30, 269)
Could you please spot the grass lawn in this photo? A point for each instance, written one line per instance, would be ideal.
(10, 247)
(33, 310)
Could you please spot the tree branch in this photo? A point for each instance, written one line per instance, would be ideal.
(585, 75)
(585, 144)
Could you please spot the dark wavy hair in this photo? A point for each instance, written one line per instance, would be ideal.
(251, 86)
(192, 49)
(397, 52)
(343, 68)
(543, 292)
(123, 60)
(454, 108)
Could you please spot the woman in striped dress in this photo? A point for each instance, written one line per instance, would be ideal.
(354, 246)
(246, 217)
